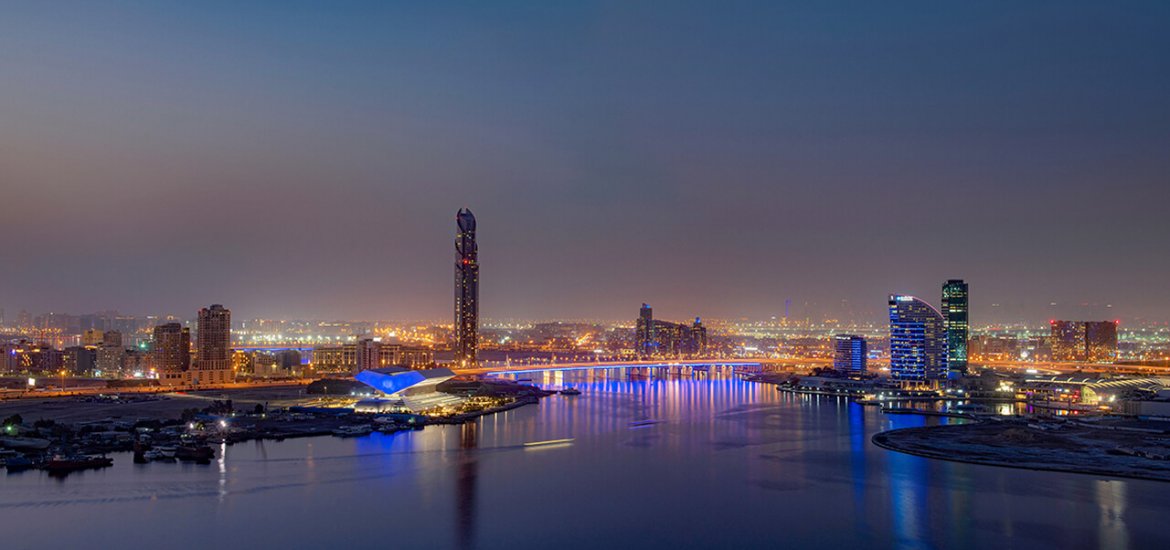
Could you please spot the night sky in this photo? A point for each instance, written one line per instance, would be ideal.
(307, 159)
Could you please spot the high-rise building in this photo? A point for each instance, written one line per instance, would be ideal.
(1100, 341)
(849, 354)
(466, 290)
(80, 359)
(644, 331)
(663, 338)
(213, 346)
(172, 352)
(918, 348)
(698, 340)
(1094, 341)
(1067, 340)
(109, 358)
(367, 354)
(955, 322)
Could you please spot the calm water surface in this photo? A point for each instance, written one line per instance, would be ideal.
(732, 464)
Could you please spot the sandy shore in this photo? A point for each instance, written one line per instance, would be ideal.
(1068, 447)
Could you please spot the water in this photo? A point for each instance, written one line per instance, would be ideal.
(732, 465)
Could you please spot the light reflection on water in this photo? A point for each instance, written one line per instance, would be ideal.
(730, 464)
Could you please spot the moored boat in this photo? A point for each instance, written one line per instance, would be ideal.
(61, 464)
(353, 431)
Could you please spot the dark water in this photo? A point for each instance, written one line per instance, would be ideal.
(732, 465)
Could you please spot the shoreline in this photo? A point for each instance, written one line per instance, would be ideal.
(68, 427)
(910, 441)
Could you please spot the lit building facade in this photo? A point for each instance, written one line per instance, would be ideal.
(92, 337)
(665, 339)
(918, 349)
(644, 331)
(1100, 341)
(172, 352)
(1067, 340)
(109, 359)
(956, 323)
(466, 290)
(849, 354)
(344, 359)
(213, 347)
(80, 359)
(1092, 341)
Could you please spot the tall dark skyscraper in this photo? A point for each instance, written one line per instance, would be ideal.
(955, 322)
(644, 331)
(466, 289)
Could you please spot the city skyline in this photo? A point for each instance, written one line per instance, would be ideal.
(611, 172)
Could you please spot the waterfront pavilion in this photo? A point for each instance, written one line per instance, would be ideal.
(411, 389)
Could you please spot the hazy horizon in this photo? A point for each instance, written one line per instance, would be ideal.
(295, 161)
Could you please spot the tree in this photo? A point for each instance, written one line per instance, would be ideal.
(14, 420)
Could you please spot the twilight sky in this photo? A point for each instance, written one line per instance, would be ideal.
(711, 158)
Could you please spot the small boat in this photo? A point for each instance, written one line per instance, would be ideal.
(548, 443)
(24, 443)
(644, 423)
(353, 431)
(19, 463)
(64, 464)
(570, 391)
(156, 455)
(196, 453)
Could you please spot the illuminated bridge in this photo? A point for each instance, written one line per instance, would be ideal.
(746, 366)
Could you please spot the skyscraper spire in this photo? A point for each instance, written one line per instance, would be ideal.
(466, 289)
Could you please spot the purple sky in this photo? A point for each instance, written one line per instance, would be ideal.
(709, 158)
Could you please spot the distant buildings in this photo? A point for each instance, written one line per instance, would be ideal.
(849, 354)
(109, 359)
(1091, 341)
(662, 338)
(80, 360)
(466, 290)
(349, 359)
(918, 349)
(283, 363)
(92, 337)
(956, 324)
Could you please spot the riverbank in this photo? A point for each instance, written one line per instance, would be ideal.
(1115, 448)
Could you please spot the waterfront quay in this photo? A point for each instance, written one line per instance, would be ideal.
(37, 432)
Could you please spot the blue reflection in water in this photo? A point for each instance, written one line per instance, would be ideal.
(730, 464)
